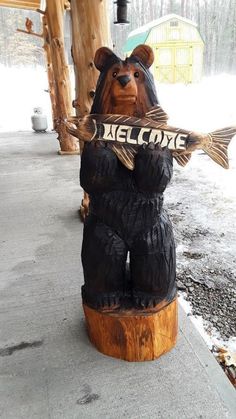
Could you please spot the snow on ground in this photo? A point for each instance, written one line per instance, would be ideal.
(205, 107)
(209, 334)
(22, 89)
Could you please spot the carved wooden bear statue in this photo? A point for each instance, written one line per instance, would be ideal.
(126, 225)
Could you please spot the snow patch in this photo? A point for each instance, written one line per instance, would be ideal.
(22, 89)
(208, 332)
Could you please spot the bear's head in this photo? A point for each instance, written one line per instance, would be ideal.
(124, 87)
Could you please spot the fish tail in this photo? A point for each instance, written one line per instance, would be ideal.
(70, 129)
(72, 119)
(86, 128)
(217, 150)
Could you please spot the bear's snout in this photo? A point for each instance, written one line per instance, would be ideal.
(124, 80)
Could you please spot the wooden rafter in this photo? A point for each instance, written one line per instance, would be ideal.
(21, 4)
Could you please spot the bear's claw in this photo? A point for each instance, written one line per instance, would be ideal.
(146, 301)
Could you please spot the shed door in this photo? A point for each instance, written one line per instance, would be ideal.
(164, 64)
(173, 64)
(183, 64)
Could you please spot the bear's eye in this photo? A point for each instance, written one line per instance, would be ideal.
(136, 74)
(114, 74)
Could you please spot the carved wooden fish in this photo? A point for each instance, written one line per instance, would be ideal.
(126, 133)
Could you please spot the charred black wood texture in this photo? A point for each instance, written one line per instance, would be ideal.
(126, 215)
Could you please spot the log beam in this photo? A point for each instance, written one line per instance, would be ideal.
(18, 4)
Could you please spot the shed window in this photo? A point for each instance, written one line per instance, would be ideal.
(174, 23)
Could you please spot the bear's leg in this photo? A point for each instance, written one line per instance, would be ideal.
(104, 259)
(153, 267)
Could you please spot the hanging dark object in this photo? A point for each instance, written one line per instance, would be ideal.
(121, 12)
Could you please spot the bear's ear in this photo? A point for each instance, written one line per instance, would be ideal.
(144, 53)
(102, 56)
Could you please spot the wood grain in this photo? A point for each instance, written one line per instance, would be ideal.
(133, 336)
(55, 15)
(90, 30)
(48, 58)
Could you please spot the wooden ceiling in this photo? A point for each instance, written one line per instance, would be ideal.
(21, 4)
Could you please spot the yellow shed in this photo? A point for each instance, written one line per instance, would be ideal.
(177, 45)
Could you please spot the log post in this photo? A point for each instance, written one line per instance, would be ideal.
(90, 31)
(54, 13)
(48, 57)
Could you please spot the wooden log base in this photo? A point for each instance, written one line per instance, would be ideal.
(131, 335)
(62, 153)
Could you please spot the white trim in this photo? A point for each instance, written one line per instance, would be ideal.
(157, 22)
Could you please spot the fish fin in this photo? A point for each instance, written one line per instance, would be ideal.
(125, 120)
(224, 133)
(71, 130)
(72, 119)
(182, 159)
(125, 155)
(157, 114)
(218, 150)
(85, 127)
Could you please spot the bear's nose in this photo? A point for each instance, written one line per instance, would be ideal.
(124, 80)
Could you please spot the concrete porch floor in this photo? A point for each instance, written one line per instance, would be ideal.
(48, 367)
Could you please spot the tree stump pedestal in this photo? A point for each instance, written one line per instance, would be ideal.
(133, 335)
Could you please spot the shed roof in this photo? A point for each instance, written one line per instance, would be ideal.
(21, 4)
(133, 41)
(156, 22)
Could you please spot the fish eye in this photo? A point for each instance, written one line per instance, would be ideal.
(114, 74)
(136, 74)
